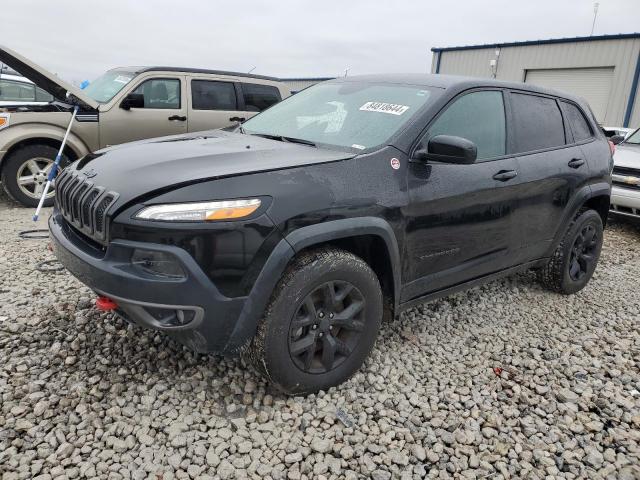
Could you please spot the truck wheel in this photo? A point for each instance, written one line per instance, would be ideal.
(24, 174)
(576, 257)
(320, 324)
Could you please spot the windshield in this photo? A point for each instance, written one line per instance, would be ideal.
(352, 115)
(634, 138)
(104, 88)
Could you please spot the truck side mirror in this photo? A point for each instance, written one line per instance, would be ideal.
(133, 100)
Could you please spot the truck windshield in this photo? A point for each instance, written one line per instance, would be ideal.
(105, 87)
(350, 115)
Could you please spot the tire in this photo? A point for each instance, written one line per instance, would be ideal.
(580, 247)
(306, 287)
(23, 162)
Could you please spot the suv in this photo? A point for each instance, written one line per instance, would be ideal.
(122, 105)
(17, 90)
(289, 238)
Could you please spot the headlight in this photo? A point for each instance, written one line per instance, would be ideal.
(195, 212)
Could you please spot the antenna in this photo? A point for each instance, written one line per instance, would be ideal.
(595, 15)
(251, 69)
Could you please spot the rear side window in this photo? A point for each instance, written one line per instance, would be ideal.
(579, 125)
(477, 116)
(162, 93)
(537, 122)
(259, 97)
(210, 95)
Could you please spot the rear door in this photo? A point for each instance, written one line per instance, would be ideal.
(213, 103)
(551, 166)
(459, 220)
(164, 112)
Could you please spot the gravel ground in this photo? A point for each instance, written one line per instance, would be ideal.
(85, 395)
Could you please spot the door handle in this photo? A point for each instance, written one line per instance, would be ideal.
(504, 175)
(576, 162)
(237, 119)
(180, 118)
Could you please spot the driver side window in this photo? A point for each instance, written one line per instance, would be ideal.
(162, 93)
(476, 116)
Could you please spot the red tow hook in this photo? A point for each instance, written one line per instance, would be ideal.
(105, 304)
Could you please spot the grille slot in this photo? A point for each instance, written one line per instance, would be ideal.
(84, 206)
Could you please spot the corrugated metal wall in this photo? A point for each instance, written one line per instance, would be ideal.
(514, 61)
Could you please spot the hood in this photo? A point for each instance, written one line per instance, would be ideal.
(139, 168)
(627, 156)
(44, 79)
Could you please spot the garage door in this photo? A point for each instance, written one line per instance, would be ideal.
(593, 84)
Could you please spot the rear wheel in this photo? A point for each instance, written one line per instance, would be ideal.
(25, 171)
(321, 323)
(575, 259)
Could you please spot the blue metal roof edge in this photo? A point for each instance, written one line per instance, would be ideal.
(618, 36)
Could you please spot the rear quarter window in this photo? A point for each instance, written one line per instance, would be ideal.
(577, 122)
(537, 122)
(259, 97)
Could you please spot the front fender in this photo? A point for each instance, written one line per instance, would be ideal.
(32, 131)
(288, 247)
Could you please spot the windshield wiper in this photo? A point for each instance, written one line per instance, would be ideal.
(282, 138)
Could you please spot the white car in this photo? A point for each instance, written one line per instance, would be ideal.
(18, 90)
(622, 131)
(625, 195)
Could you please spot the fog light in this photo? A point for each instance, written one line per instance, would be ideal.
(171, 318)
(159, 264)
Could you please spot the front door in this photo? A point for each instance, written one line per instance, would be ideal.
(164, 113)
(459, 220)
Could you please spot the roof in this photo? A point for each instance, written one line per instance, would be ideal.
(197, 70)
(456, 82)
(618, 36)
(16, 78)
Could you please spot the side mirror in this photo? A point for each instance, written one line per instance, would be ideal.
(133, 100)
(616, 139)
(448, 149)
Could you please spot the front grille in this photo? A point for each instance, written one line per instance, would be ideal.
(83, 204)
(625, 177)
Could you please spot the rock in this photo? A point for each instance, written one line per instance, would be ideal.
(320, 445)
(567, 396)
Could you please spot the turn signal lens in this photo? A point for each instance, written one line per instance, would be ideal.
(4, 120)
(203, 211)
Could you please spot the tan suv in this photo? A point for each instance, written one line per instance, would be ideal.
(123, 105)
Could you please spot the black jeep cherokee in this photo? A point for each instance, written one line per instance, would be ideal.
(288, 238)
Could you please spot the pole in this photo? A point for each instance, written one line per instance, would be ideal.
(595, 14)
(56, 164)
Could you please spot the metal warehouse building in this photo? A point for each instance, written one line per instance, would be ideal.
(603, 69)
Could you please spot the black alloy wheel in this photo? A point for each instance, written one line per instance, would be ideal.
(583, 253)
(326, 327)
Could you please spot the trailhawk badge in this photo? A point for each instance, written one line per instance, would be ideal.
(395, 163)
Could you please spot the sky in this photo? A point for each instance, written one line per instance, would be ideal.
(80, 39)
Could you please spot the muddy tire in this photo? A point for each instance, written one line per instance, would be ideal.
(575, 259)
(321, 323)
(25, 171)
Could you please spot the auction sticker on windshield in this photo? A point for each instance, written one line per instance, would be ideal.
(382, 107)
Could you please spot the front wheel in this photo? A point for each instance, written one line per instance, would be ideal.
(25, 171)
(575, 259)
(321, 323)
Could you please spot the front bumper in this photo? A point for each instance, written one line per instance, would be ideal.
(625, 201)
(147, 299)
